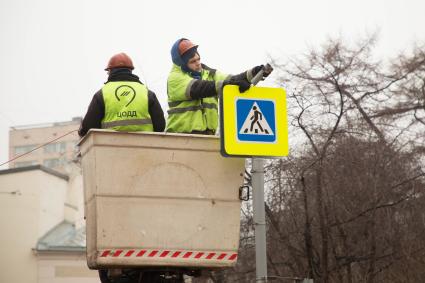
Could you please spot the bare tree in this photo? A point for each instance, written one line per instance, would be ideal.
(338, 91)
(347, 205)
(404, 103)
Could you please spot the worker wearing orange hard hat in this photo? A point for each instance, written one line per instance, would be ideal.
(123, 103)
(193, 90)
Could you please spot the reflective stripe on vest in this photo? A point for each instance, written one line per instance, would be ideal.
(192, 108)
(126, 107)
(186, 115)
(106, 125)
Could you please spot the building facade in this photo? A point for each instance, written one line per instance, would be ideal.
(58, 154)
(43, 237)
(41, 198)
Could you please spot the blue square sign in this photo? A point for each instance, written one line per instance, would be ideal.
(253, 123)
(256, 120)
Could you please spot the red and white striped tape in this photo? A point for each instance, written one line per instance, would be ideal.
(168, 254)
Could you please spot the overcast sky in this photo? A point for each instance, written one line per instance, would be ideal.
(53, 52)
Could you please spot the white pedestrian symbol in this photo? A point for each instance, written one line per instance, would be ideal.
(255, 123)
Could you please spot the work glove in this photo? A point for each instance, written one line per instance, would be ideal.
(243, 84)
(266, 71)
(256, 69)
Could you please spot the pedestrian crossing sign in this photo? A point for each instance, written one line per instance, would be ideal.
(253, 123)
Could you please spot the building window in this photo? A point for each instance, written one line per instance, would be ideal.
(55, 147)
(24, 148)
(53, 162)
(25, 163)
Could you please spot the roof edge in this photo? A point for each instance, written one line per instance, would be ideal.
(35, 167)
(59, 251)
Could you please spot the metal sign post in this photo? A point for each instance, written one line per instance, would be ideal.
(258, 203)
(254, 124)
(259, 219)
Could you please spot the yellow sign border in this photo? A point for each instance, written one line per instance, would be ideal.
(230, 145)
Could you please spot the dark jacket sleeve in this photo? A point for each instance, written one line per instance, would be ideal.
(94, 115)
(241, 76)
(202, 88)
(156, 113)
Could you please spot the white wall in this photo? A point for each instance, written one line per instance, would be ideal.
(65, 268)
(31, 203)
(74, 205)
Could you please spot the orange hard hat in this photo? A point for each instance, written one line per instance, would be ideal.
(120, 60)
(185, 45)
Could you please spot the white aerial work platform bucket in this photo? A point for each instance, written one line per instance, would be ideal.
(156, 199)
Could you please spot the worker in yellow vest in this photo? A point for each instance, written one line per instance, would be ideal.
(193, 90)
(123, 103)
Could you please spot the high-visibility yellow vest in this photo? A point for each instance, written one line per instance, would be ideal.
(126, 107)
(186, 114)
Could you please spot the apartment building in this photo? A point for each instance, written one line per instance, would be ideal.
(56, 155)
